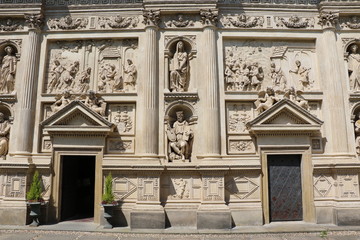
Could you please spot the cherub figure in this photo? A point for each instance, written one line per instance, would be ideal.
(265, 100)
(296, 97)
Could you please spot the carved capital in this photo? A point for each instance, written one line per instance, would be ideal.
(34, 20)
(328, 19)
(209, 16)
(151, 17)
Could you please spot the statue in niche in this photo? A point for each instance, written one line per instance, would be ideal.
(4, 131)
(354, 67)
(266, 100)
(277, 76)
(82, 84)
(96, 103)
(295, 96)
(179, 71)
(62, 101)
(302, 74)
(130, 76)
(8, 71)
(180, 138)
(357, 134)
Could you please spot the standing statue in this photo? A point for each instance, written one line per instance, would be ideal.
(278, 77)
(354, 67)
(180, 138)
(357, 134)
(83, 83)
(56, 72)
(4, 131)
(266, 100)
(302, 74)
(130, 76)
(8, 71)
(179, 72)
(96, 103)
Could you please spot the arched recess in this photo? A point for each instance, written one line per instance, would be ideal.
(7, 110)
(16, 48)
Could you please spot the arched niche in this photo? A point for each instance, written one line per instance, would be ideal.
(7, 110)
(187, 108)
(16, 48)
(352, 59)
(170, 49)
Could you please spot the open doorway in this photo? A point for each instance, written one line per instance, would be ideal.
(77, 187)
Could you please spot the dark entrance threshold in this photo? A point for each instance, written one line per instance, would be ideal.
(77, 187)
(285, 195)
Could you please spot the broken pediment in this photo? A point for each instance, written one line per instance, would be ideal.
(285, 117)
(77, 118)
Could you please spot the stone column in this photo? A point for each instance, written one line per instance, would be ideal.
(212, 146)
(333, 84)
(26, 105)
(150, 106)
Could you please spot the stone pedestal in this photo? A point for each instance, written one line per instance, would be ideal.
(147, 217)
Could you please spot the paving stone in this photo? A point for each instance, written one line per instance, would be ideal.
(97, 237)
(17, 236)
(58, 236)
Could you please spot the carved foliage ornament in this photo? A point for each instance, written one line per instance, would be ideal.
(151, 17)
(8, 25)
(295, 22)
(180, 22)
(352, 22)
(67, 23)
(118, 22)
(328, 19)
(243, 21)
(34, 20)
(209, 16)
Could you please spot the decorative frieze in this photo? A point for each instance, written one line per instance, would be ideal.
(180, 22)
(239, 146)
(295, 22)
(118, 22)
(67, 23)
(352, 22)
(10, 25)
(242, 21)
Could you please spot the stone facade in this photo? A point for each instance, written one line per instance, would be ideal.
(185, 103)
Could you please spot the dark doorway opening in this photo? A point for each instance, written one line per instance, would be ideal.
(77, 187)
(285, 194)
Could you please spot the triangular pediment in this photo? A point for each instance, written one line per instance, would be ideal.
(77, 117)
(285, 116)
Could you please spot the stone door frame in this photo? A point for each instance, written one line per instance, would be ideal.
(306, 178)
(57, 179)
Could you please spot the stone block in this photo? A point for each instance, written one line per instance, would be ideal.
(324, 215)
(214, 219)
(182, 217)
(247, 217)
(348, 217)
(13, 216)
(147, 219)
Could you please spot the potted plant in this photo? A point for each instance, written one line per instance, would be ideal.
(34, 199)
(108, 202)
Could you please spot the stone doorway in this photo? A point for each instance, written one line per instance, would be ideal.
(77, 187)
(285, 191)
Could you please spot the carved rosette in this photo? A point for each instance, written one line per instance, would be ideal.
(242, 21)
(295, 22)
(151, 17)
(67, 23)
(352, 22)
(328, 19)
(10, 25)
(34, 20)
(209, 16)
(118, 22)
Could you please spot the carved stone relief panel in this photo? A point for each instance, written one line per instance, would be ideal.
(240, 145)
(243, 186)
(67, 23)
(46, 145)
(124, 187)
(242, 21)
(255, 65)
(213, 188)
(295, 22)
(180, 187)
(148, 188)
(180, 21)
(46, 185)
(11, 24)
(348, 185)
(351, 22)
(118, 22)
(106, 66)
(238, 114)
(123, 116)
(15, 185)
(324, 185)
(123, 145)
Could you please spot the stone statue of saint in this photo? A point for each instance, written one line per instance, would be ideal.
(96, 103)
(180, 137)
(354, 67)
(4, 131)
(179, 73)
(130, 76)
(8, 71)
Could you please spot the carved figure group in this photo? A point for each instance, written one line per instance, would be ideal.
(354, 67)
(61, 78)
(96, 103)
(278, 78)
(180, 138)
(302, 75)
(296, 97)
(266, 100)
(61, 102)
(8, 71)
(242, 76)
(179, 70)
(4, 131)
